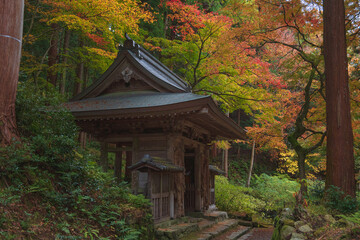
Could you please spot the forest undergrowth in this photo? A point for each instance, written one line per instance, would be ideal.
(52, 189)
(270, 193)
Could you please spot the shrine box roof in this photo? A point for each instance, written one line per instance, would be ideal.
(215, 170)
(156, 164)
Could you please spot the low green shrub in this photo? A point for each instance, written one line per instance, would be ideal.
(336, 201)
(316, 189)
(235, 198)
(276, 191)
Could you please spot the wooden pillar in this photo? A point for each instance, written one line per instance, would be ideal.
(205, 177)
(197, 171)
(128, 164)
(82, 139)
(104, 156)
(171, 197)
(118, 164)
(149, 186)
(135, 158)
(161, 193)
(176, 154)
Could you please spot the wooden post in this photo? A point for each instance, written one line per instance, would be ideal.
(161, 192)
(104, 156)
(118, 164)
(128, 164)
(135, 158)
(82, 139)
(171, 197)
(197, 176)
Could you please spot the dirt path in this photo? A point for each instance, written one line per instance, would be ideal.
(259, 234)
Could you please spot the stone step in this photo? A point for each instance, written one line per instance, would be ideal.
(206, 224)
(215, 230)
(216, 216)
(245, 236)
(258, 234)
(240, 231)
(246, 223)
(176, 231)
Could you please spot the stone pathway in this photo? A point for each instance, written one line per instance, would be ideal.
(258, 234)
(214, 226)
(247, 234)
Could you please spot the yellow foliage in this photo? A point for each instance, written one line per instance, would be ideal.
(288, 164)
(223, 144)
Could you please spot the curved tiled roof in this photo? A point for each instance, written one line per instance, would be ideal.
(117, 101)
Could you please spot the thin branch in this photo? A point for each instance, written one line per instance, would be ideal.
(231, 95)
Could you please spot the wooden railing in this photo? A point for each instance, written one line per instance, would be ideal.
(161, 205)
(189, 198)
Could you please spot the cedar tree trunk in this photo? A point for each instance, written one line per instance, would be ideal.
(251, 164)
(11, 23)
(340, 154)
(79, 74)
(65, 61)
(53, 55)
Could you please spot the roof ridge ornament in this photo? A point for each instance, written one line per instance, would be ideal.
(130, 44)
(127, 37)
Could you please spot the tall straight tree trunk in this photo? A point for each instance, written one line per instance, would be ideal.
(86, 77)
(65, 60)
(251, 164)
(340, 166)
(53, 55)
(238, 122)
(79, 74)
(11, 26)
(226, 158)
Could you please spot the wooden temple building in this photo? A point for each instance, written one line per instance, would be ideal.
(140, 107)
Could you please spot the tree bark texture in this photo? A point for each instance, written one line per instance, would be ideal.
(65, 61)
(79, 74)
(11, 24)
(299, 131)
(302, 172)
(251, 164)
(340, 154)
